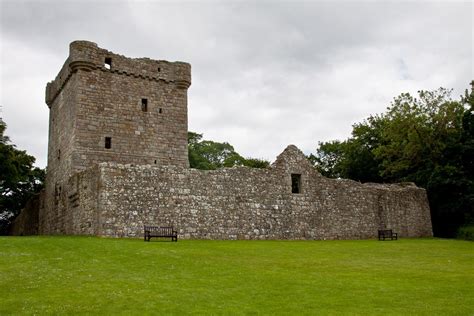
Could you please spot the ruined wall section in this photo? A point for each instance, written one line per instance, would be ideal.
(82, 201)
(405, 208)
(245, 203)
(368, 207)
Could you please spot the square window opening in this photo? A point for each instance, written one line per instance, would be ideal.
(295, 183)
(144, 105)
(108, 63)
(108, 142)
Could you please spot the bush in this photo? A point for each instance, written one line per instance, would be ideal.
(466, 232)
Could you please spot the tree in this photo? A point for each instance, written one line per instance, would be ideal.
(256, 163)
(419, 134)
(354, 157)
(329, 158)
(19, 180)
(210, 155)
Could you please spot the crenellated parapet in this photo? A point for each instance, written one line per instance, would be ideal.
(87, 56)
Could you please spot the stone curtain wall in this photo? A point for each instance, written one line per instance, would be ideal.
(245, 203)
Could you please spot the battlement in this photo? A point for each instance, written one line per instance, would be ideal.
(87, 56)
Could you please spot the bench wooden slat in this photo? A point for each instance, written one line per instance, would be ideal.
(160, 231)
(387, 234)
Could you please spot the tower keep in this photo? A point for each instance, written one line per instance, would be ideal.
(105, 107)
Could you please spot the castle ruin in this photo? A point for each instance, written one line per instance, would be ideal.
(118, 160)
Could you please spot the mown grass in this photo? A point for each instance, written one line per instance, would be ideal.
(82, 275)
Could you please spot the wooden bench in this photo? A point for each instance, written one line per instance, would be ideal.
(387, 234)
(160, 231)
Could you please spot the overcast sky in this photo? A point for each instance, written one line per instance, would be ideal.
(265, 74)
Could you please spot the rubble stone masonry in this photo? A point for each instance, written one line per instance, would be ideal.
(240, 203)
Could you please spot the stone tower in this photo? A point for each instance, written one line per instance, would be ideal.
(106, 107)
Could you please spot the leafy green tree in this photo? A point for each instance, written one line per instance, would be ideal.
(256, 163)
(196, 158)
(354, 157)
(210, 155)
(329, 158)
(419, 134)
(19, 180)
(361, 163)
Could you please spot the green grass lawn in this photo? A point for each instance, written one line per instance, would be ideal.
(88, 275)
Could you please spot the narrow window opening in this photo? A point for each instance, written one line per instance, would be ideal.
(57, 193)
(159, 110)
(155, 162)
(159, 69)
(295, 183)
(59, 154)
(108, 63)
(144, 105)
(108, 142)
